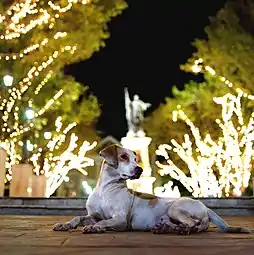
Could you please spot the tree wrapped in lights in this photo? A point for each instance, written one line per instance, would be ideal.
(228, 46)
(58, 162)
(197, 102)
(38, 38)
(225, 60)
(167, 190)
(216, 168)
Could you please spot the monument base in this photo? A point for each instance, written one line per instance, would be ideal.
(140, 144)
(139, 134)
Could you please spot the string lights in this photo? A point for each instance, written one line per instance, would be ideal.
(219, 167)
(44, 16)
(55, 168)
(20, 19)
(167, 191)
(30, 49)
(17, 22)
(199, 67)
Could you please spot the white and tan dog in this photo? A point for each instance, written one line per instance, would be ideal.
(112, 206)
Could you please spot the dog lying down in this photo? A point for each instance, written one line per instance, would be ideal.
(112, 206)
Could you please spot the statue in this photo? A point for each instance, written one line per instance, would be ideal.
(135, 113)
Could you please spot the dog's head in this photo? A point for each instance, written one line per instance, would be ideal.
(123, 160)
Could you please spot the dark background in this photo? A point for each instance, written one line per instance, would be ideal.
(148, 42)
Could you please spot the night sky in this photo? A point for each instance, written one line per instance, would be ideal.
(148, 42)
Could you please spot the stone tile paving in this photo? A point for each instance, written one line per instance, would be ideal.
(33, 235)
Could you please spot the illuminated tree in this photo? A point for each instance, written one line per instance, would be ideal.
(229, 45)
(56, 166)
(215, 167)
(197, 102)
(167, 191)
(38, 38)
(228, 49)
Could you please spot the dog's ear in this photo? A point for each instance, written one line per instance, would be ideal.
(110, 155)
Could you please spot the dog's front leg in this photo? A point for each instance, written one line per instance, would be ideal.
(74, 223)
(117, 223)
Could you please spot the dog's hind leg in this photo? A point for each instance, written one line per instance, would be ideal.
(203, 226)
(74, 223)
(186, 223)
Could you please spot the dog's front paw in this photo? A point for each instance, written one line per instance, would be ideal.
(62, 227)
(163, 228)
(93, 229)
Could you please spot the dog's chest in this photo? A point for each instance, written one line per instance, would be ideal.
(93, 205)
(109, 206)
(102, 206)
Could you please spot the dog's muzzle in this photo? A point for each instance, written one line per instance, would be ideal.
(137, 173)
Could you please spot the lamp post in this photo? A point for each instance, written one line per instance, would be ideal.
(29, 114)
(47, 135)
(8, 80)
(27, 146)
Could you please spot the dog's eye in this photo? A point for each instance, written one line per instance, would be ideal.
(124, 156)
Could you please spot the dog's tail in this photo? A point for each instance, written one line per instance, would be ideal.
(223, 226)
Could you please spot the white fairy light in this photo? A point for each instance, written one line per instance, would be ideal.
(87, 187)
(56, 167)
(167, 191)
(20, 19)
(223, 166)
(66, 162)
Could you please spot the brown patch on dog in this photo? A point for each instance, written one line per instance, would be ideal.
(152, 198)
(153, 202)
(110, 155)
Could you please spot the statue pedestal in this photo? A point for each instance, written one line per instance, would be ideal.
(140, 146)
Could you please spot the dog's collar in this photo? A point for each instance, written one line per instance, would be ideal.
(129, 216)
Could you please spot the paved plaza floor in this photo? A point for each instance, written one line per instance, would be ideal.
(33, 235)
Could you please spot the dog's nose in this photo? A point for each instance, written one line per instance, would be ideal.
(138, 171)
